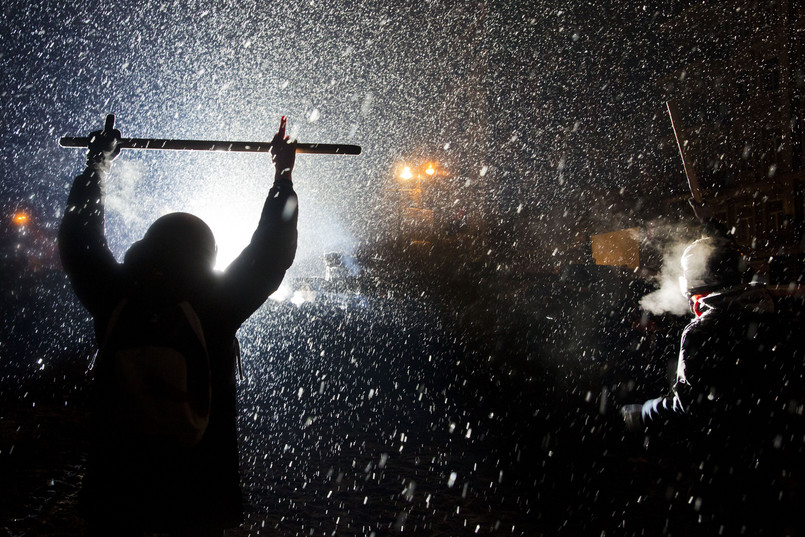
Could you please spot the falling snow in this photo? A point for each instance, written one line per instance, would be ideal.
(449, 353)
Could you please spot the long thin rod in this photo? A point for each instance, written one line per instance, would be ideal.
(681, 141)
(215, 145)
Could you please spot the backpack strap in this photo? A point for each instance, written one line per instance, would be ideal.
(189, 313)
(109, 326)
(239, 356)
(195, 322)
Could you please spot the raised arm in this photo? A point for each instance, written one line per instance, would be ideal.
(259, 269)
(83, 249)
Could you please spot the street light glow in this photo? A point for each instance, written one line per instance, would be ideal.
(406, 173)
(430, 170)
(20, 218)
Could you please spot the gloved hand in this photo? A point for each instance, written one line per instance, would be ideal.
(283, 153)
(104, 147)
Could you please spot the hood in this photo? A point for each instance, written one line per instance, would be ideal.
(176, 255)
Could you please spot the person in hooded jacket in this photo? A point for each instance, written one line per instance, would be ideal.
(128, 489)
(734, 413)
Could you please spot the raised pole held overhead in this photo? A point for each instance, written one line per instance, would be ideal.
(209, 145)
(215, 145)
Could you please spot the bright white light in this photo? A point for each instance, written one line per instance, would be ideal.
(406, 173)
(282, 294)
(227, 191)
(232, 235)
(231, 206)
(298, 298)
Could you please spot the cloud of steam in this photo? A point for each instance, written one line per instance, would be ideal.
(668, 298)
(129, 209)
(121, 190)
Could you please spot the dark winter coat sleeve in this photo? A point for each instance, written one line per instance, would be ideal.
(84, 252)
(675, 404)
(723, 368)
(259, 269)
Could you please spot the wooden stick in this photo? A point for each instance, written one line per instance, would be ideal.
(681, 141)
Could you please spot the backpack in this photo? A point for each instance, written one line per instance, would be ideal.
(153, 371)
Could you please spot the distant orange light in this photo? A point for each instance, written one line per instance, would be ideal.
(20, 218)
(430, 170)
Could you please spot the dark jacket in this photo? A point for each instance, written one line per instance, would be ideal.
(128, 483)
(735, 361)
(734, 421)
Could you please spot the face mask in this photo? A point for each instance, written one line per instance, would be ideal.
(694, 304)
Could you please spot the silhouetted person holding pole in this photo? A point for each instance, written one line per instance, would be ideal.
(164, 454)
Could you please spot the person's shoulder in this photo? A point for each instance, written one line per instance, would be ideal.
(213, 302)
(698, 325)
(693, 335)
(708, 332)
